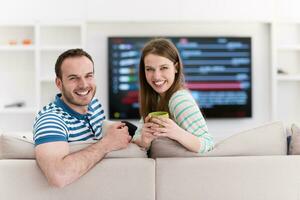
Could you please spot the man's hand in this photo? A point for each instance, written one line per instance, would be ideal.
(117, 137)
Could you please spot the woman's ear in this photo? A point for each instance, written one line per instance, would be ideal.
(176, 67)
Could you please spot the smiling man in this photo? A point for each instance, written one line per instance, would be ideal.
(75, 115)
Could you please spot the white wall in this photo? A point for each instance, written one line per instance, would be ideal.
(154, 10)
(169, 17)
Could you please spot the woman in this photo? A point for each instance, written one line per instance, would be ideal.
(162, 89)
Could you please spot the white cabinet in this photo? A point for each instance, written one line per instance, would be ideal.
(27, 57)
(285, 71)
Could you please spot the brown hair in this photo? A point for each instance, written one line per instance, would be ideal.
(69, 54)
(149, 99)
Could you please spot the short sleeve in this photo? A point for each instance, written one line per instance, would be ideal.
(49, 128)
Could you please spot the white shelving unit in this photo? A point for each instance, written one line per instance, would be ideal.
(285, 52)
(27, 57)
(54, 39)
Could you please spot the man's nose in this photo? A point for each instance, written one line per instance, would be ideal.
(83, 82)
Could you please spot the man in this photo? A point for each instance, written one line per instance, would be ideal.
(75, 115)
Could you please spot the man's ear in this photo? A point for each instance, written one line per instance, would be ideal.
(58, 83)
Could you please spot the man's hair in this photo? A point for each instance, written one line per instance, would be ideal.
(69, 54)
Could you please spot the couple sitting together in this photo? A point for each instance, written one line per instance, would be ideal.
(75, 115)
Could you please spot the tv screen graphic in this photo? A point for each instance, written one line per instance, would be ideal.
(217, 72)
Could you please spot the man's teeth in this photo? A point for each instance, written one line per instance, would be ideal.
(82, 93)
(159, 83)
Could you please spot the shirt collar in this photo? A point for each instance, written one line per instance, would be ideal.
(60, 103)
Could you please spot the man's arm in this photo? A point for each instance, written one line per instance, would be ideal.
(62, 168)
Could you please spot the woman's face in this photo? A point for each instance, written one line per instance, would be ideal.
(160, 73)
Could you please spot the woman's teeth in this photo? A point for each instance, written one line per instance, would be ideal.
(159, 83)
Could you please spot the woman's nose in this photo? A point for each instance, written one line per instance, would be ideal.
(157, 74)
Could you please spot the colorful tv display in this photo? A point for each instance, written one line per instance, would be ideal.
(217, 72)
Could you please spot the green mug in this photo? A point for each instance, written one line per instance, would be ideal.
(162, 114)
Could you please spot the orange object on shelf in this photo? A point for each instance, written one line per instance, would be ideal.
(26, 42)
(12, 42)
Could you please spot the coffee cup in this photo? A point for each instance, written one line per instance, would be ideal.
(162, 114)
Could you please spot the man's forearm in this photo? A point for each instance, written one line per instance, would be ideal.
(73, 166)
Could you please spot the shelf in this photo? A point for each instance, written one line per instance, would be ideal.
(59, 48)
(18, 111)
(288, 77)
(289, 48)
(61, 24)
(285, 39)
(47, 80)
(17, 48)
(28, 53)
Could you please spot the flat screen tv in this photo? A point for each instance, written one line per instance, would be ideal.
(217, 72)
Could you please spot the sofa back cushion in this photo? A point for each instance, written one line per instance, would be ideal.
(20, 145)
(268, 139)
(295, 140)
(122, 178)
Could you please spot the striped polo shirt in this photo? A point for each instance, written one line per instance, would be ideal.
(58, 122)
(186, 114)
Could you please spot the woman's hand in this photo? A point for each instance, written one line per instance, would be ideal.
(148, 133)
(166, 128)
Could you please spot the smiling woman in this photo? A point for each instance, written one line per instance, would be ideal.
(162, 89)
(160, 73)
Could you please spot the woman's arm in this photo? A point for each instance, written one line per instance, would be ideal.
(189, 126)
(144, 135)
(171, 130)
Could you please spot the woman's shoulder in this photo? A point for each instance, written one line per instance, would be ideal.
(180, 95)
(184, 93)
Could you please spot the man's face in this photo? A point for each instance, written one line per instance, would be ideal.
(77, 84)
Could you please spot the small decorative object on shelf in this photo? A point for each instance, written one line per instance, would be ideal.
(17, 104)
(281, 71)
(27, 42)
(12, 42)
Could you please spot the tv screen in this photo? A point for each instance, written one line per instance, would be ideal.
(217, 72)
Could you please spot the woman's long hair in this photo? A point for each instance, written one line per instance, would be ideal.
(150, 100)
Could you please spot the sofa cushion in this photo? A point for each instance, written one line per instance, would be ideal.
(268, 139)
(295, 140)
(21, 146)
(17, 146)
(119, 179)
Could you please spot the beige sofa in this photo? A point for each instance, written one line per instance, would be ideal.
(267, 173)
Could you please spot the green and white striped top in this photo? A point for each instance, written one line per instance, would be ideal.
(186, 113)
